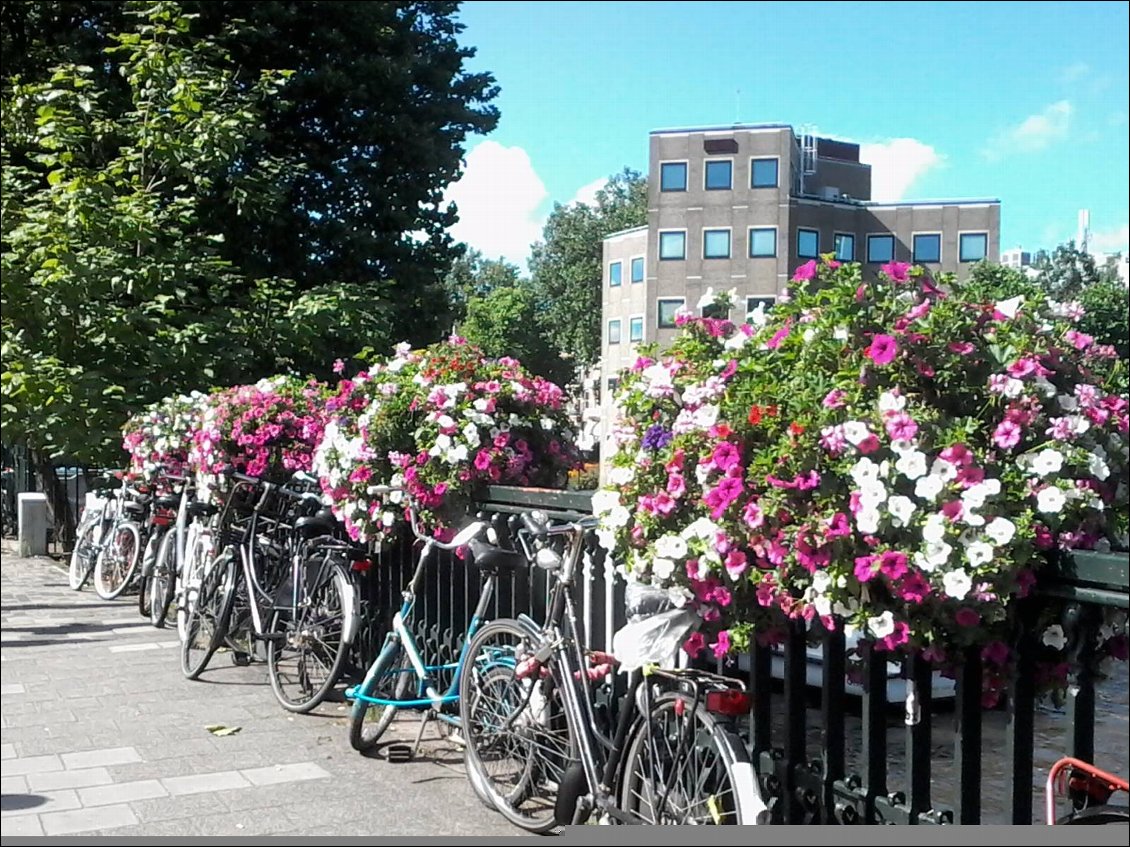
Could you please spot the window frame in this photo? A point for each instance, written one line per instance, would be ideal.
(619, 264)
(681, 301)
(749, 242)
(659, 245)
(633, 322)
(887, 235)
(961, 246)
(835, 247)
(816, 253)
(686, 176)
(914, 236)
(619, 331)
(759, 298)
(632, 269)
(729, 242)
(777, 171)
(706, 163)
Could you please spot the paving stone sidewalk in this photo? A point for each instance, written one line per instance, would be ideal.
(102, 735)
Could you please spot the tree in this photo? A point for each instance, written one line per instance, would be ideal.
(473, 275)
(566, 264)
(1106, 316)
(376, 113)
(503, 322)
(1068, 271)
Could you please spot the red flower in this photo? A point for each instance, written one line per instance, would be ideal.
(795, 428)
(755, 415)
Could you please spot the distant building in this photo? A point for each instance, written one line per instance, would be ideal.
(740, 207)
(1016, 258)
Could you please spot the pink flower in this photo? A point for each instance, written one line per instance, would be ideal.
(897, 271)
(1007, 434)
(914, 588)
(721, 496)
(953, 509)
(694, 644)
(779, 336)
(892, 564)
(482, 460)
(957, 454)
(838, 526)
(833, 440)
(1079, 340)
(806, 271)
(339, 366)
(962, 348)
(901, 427)
(722, 646)
(676, 485)
(725, 456)
(883, 349)
(736, 564)
(868, 445)
(996, 653)
(752, 515)
(834, 399)
(865, 567)
(896, 639)
(919, 311)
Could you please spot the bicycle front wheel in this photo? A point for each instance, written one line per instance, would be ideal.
(517, 738)
(115, 565)
(82, 556)
(390, 678)
(307, 648)
(206, 622)
(162, 584)
(683, 766)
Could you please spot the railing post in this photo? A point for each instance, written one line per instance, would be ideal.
(832, 716)
(967, 732)
(1021, 720)
(874, 730)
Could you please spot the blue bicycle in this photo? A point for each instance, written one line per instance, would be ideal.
(402, 677)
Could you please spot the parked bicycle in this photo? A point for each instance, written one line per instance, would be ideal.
(99, 518)
(1089, 791)
(545, 755)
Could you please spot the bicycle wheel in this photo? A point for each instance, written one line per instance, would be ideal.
(82, 556)
(117, 561)
(1097, 815)
(188, 582)
(144, 601)
(307, 649)
(518, 744)
(683, 766)
(390, 678)
(207, 616)
(162, 584)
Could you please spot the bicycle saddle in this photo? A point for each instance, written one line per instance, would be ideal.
(493, 560)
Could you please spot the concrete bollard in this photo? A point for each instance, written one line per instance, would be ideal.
(32, 511)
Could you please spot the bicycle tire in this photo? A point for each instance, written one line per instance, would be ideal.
(733, 798)
(195, 567)
(82, 557)
(148, 562)
(389, 677)
(519, 749)
(327, 614)
(162, 585)
(1099, 815)
(211, 606)
(117, 561)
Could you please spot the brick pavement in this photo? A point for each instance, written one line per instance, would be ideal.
(102, 735)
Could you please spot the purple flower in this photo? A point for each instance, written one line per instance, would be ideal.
(1007, 434)
(657, 437)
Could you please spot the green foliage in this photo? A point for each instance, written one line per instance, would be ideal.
(1106, 314)
(503, 322)
(1067, 271)
(566, 264)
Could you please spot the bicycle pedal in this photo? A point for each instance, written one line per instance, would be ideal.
(240, 659)
(399, 753)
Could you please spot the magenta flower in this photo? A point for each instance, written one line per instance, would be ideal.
(722, 646)
(914, 587)
(919, 311)
(676, 485)
(806, 271)
(893, 564)
(996, 653)
(752, 515)
(736, 564)
(868, 445)
(1022, 367)
(721, 496)
(897, 271)
(835, 399)
(838, 526)
(962, 348)
(833, 440)
(966, 617)
(901, 427)
(896, 639)
(1079, 340)
(725, 456)
(694, 644)
(1007, 434)
(865, 567)
(883, 350)
(779, 336)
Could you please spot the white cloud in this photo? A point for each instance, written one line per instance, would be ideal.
(1034, 133)
(500, 197)
(1111, 240)
(1075, 72)
(896, 165)
(587, 193)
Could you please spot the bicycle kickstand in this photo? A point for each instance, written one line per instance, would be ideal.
(420, 732)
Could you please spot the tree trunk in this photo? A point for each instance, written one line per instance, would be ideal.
(60, 513)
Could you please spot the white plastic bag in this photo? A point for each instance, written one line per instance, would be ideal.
(658, 626)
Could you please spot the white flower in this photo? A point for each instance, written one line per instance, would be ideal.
(622, 475)
(707, 299)
(872, 495)
(840, 333)
(671, 547)
(957, 584)
(1054, 637)
(901, 508)
(821, 582)
(658, 379)
(663, 568)
(606, 538)
(933, 555)
(1000, 530)
(471, 435)
(865, 471)
(891, 402)
(978, 553)
(868, 521)
(388, 518)
(618, 517)
(1097, 466)
(1047, 461)
(1050, 500)
(946, 470)
(1044, 386)
(1067, 402)
(445, 422)
(883, 625)
(823, 605)
(934, 530)
(855, 432)
(809, 334)
(739, 339)
(1010, 307)
(929, 487)
(604, 501)
(911, 464)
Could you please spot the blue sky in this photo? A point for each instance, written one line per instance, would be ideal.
(1023, 102)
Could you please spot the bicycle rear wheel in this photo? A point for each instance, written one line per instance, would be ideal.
(684, 766)
(82, 556)
(162, 585)
(117, 561)
(518, 744)
(307, 648)
(1097, 815)
(207, 618)
(390, 678)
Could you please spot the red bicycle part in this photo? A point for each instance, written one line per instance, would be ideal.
(1083, 776)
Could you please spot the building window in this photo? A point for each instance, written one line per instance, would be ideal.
(668, 311)
(613, 383)
(719, 175)
(614, 271)
(845, 247)
(807, 243)
(928, 248)
(880, 248)
(614, 331)
(758, 304)
(673, 176)
(672, 245)
(763, 173)
(635, 329)
(637, 269)
(974, 246)
(763, 243)
(716, 244)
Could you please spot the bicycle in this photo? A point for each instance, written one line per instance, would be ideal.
(535, 740)
(1089, 790)
(402, 677)
(120, 552)
(161, 523)
(99, 517)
